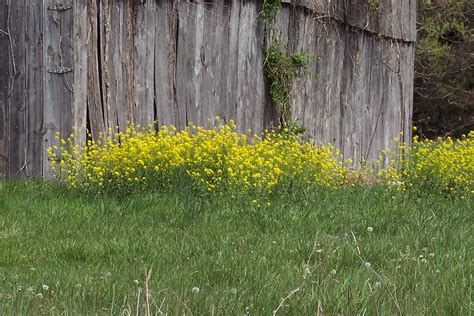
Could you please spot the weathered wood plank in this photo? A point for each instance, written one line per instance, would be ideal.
(105, 30)
(375, 103)
(127, 61)
(52, 82)
(94, 100)
(336, 47)
(17, 108)
(4, 86)
(221, 63)
(79, 106)
(407, 74)
(251, 92)
(300, 39)
(211, 54)
(144, 62)
(34, 87)
(229, 83)
(166, 30)
(189, 63)
(66, 60)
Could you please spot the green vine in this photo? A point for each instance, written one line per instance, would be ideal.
(374, 5)
(270, 10)
(281, 70)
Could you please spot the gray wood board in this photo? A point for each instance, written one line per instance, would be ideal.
(4, 86)
(17, 107)
(80, 62)
(34, 87)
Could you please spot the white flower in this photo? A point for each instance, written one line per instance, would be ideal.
(333, 271)
(195, 289)
(367, 264)
(45, 287)
(370, 229)
(432, 254)
(307, 271)
(136, 282)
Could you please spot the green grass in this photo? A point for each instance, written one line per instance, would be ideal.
(90, 250)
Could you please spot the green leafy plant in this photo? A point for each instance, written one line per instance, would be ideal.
(374, 5)
(270, 10)
(281, 70)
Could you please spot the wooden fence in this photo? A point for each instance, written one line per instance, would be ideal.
(92, 65)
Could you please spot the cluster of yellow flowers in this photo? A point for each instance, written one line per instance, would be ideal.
(442, 164)
(211, 159)
(219, 159)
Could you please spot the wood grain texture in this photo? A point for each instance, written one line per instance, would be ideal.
(80, 63)
(144, 63)
(95, 110)
(34, 87)
(17, 106)
(181, 62)
(4, 86)
(51, 125)
(166, 33)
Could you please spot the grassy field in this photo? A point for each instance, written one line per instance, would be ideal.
(345, 251)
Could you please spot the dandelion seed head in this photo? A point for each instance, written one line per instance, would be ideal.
(307, 271)
(195, 290)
